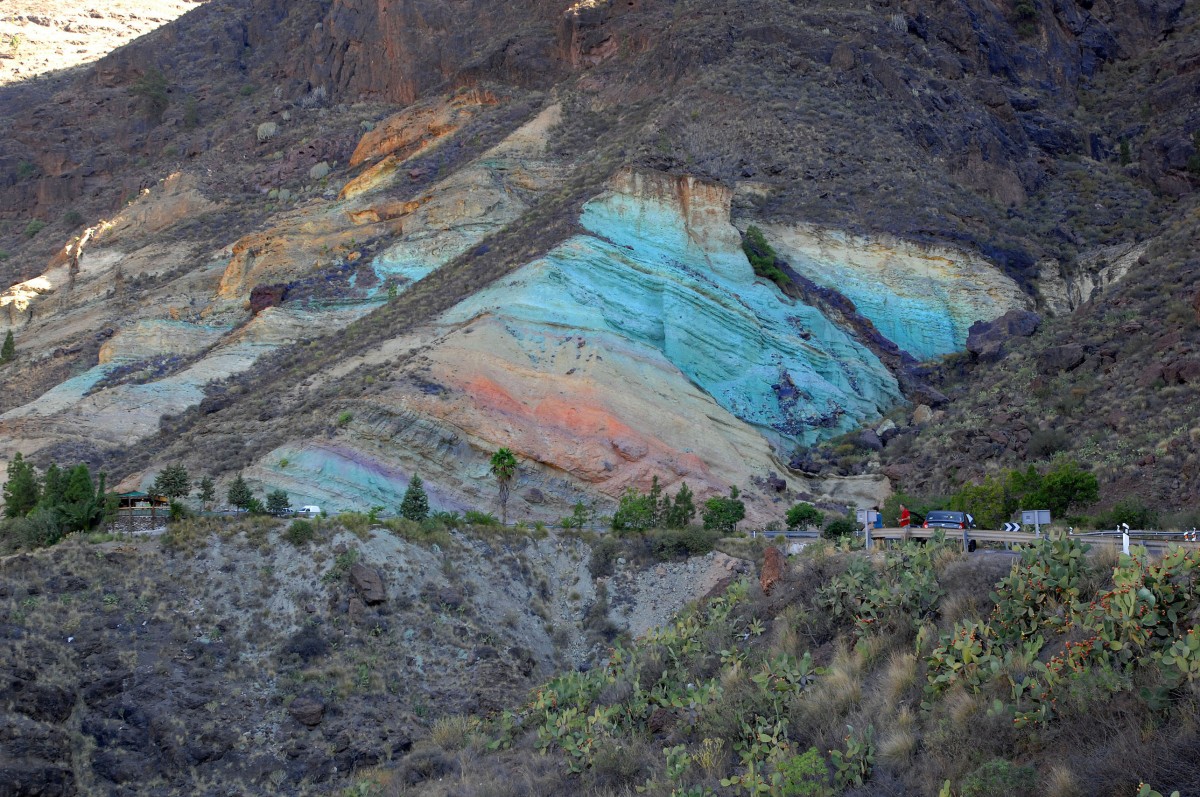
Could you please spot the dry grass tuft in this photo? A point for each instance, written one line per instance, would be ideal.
(1060, 782)
(898, 678)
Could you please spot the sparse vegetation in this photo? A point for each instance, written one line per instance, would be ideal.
(153, 93)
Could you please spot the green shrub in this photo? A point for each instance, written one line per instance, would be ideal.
(1132, 511)
(448, 520)
(839, 527)
(178, 511)
(300, 532)
(805, 775)
(73, 218)
(1045, 443)
(476, 518)
(690, 541)
(604, 557)
(1000, 778)
(34, 227)
(762, 257)
(635, 512)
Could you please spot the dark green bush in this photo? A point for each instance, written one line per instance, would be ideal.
(839, 527)
(476, 518)
(1000, 778)
(604, 556)
(300, 532)
(803, 515)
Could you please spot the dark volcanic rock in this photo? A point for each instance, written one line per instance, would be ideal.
(1057, 359)
(868, 439)
(46, 780)
(986, 339)
(368, 583)
(307, 711)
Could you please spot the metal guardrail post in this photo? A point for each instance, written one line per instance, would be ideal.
(867, 539)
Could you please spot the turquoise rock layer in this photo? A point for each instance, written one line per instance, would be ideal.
(644, 275)
(923, 300)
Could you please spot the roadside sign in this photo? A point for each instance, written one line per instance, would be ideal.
(1037, 517)
(866, 517)
(1012, 526)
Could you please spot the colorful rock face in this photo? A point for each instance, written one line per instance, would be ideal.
(662, 273)
(923, 299)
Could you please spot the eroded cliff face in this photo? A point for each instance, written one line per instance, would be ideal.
(643, 345)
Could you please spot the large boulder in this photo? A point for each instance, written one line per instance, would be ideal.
(368, 584)
(772, 569)
(986, 339)
(1057, 359)
(307, 711)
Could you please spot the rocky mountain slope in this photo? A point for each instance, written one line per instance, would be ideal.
(346, 242)
(228, 657)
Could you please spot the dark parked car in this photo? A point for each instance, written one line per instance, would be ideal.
(945, 519)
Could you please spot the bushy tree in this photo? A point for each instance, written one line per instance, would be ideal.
(172, 481)
(240, 494)
(723, 514)
(503, 466)
(21, 491)
(1066, 486)
(278, 502)
(84, 504)
(839, 527)
(415, 505)
(804, 515)
(635, 512)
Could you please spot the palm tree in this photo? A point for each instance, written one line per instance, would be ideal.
(504, 467)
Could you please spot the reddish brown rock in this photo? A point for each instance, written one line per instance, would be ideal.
(264, 296)
(772, 569)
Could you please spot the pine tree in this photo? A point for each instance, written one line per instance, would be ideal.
(21, 491)
(240, 494)
(172, 481)
(52, 487)
(278, 502)
(8, 352)
(682, 511)
(658, 504)
(206, 491)
(415, 505)
(78, 487)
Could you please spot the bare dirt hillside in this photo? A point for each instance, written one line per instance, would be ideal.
(45, 36)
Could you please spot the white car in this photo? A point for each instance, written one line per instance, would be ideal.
(309, 510)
